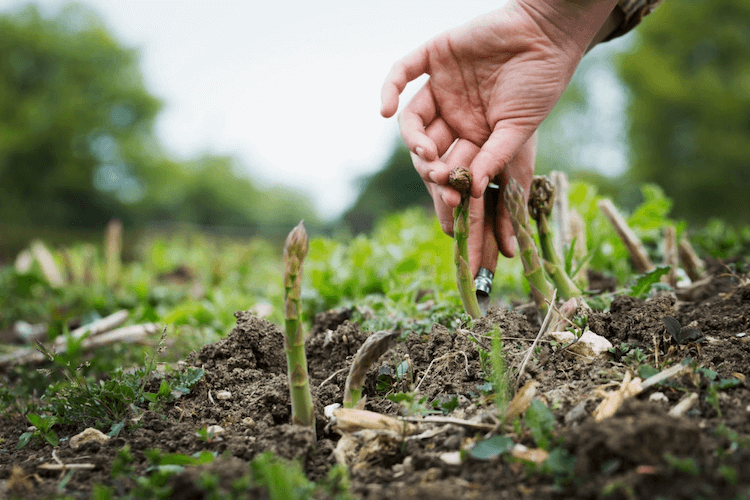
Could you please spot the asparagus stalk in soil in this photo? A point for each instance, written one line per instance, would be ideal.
(541, 199)
(375, 346)
(460, 180)
(295, 249)
(541, 290)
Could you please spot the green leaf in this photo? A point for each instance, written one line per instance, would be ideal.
(728, 383)
(491, 448)
(560, 463)
(24, 439)
(36, 420)
(644, 283)
(541, 422)
(51, 437)
(164, 389)
(114, 431)
(673, 327)
(402, 369)
(400, 397)
(646, 371)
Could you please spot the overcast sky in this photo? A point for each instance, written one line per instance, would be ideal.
(292, 89)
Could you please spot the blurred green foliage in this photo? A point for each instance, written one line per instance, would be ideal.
(77, 146)
(73, 114)
(688, 74)
(395, 187)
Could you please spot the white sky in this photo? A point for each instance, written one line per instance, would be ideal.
(291, 89)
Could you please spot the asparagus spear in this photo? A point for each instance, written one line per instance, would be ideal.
(541, 290)
(460, 180)
(375, 346)
(295, 249)
(541, 198)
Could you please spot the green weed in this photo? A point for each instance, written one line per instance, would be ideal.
(43, 430)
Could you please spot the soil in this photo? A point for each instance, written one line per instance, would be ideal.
(639, 452)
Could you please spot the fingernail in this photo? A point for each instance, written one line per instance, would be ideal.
(420, 151)
(431, 174)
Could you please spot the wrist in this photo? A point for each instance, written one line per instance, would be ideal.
(571, 23)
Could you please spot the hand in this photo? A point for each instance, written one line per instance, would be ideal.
(485, 235)
(492, 82)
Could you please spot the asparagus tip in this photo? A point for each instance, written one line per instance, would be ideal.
(460, 179)
(297, 242)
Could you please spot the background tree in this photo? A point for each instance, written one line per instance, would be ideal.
(393, 188)
(73, 111)
(688, 73)
(77, 146)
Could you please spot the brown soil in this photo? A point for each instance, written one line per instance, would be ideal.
(630, 455)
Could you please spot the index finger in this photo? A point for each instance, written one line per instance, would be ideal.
(402, 72)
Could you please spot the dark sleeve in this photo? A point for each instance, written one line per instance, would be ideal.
(632, 13)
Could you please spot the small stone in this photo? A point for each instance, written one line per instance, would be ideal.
(89, 434)
(248, 422)
(658, 397)
(590, 345)
(223, 395)
(214, 430)
(451, 457)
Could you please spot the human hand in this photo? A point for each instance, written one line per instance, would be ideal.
(492, 82)
(488, 231)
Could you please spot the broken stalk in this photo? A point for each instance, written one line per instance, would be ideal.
(541, 198)
(460, 180)
(295, 249)
(541, 289)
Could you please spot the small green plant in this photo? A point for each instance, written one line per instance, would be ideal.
(635, 357)
(686, 465)
(578, 325)
(648, 282)
(412, 404)
(679, 334)
(445, 406)
(206, 434)
(487, 449)
(43, 430)
(541, 423)
(714, 385)
(81, 401)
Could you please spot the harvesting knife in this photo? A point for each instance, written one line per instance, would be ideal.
(483, 279)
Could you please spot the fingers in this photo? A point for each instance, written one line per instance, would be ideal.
(401, 73)
(414, 120)
(444, 197)
(478, 235)
(442, 210)
(496, 153)
(521, 168)
(432, 171)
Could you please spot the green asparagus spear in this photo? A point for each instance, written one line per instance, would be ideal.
(541, 198)
(541, 289)
(295, 249)
(460, 180)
